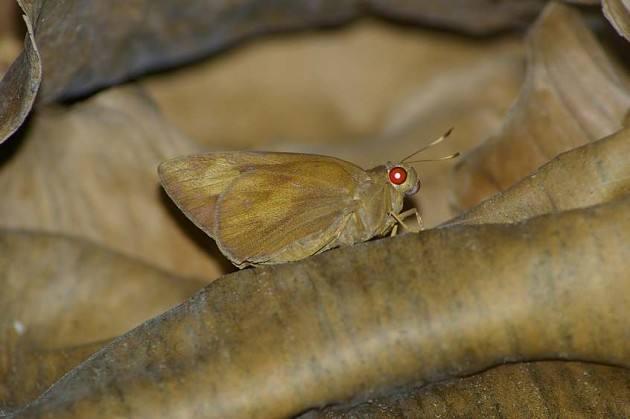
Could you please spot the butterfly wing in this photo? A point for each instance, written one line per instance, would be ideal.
(195, 182)
(289, 210)
(264, 207)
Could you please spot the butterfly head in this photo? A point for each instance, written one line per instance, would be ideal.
(403, 178)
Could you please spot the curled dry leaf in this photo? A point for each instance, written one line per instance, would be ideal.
(584, 2)
(472, 16)
(85, 45)
(19, 86)
(358, 321)
(89, 170)
(28, 371)
(77, 29)
(524, 390)
(59, 292)
(592, 174)
(618, 13)
(573, 94)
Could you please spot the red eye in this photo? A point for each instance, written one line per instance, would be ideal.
(397, 175)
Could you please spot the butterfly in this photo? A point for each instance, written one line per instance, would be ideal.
(270, 207)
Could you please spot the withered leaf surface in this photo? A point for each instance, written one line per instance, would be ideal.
(86, 45)
(19, 86)
(276, 341)
(59, 292)
(89, 170)
(472, 16)
(27, 371)
(573, 94)
(65, 292)
(618, 13)
(524, 390)
(595, 173)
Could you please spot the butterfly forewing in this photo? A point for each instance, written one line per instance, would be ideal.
(195, 182)
(259, 206)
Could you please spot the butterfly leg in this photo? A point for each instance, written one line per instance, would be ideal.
(406, 214)
(409, 213)
(394, 230)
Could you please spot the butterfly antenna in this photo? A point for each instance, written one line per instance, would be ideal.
(450, 156)
(431, 144)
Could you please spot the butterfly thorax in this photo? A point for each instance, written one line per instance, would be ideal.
(381, 200)
(374, 200)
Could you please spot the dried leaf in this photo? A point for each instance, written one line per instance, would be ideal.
(89, 170)
(163, 34)
(618, 13)
(278, 340)
(59, 292)
(472, 16)
(19, 86)
(524, 390)
(584, 2)
(28, 371)
(573, 95)
(77, 58)
(592, 174)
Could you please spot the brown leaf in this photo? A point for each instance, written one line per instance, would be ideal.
(471, 16)
(592, 174)
(59, 292)
(145, 35)
(618, 13)
(89, 170)
(573, 95)
(162, 35)
(524, 390)
(584, 2)
(87, 45)
(357, 321)
(19, 86)
(28, 371)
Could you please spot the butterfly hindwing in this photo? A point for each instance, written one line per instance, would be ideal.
(266, 210)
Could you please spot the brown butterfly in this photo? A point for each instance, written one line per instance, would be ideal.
(265, 207)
